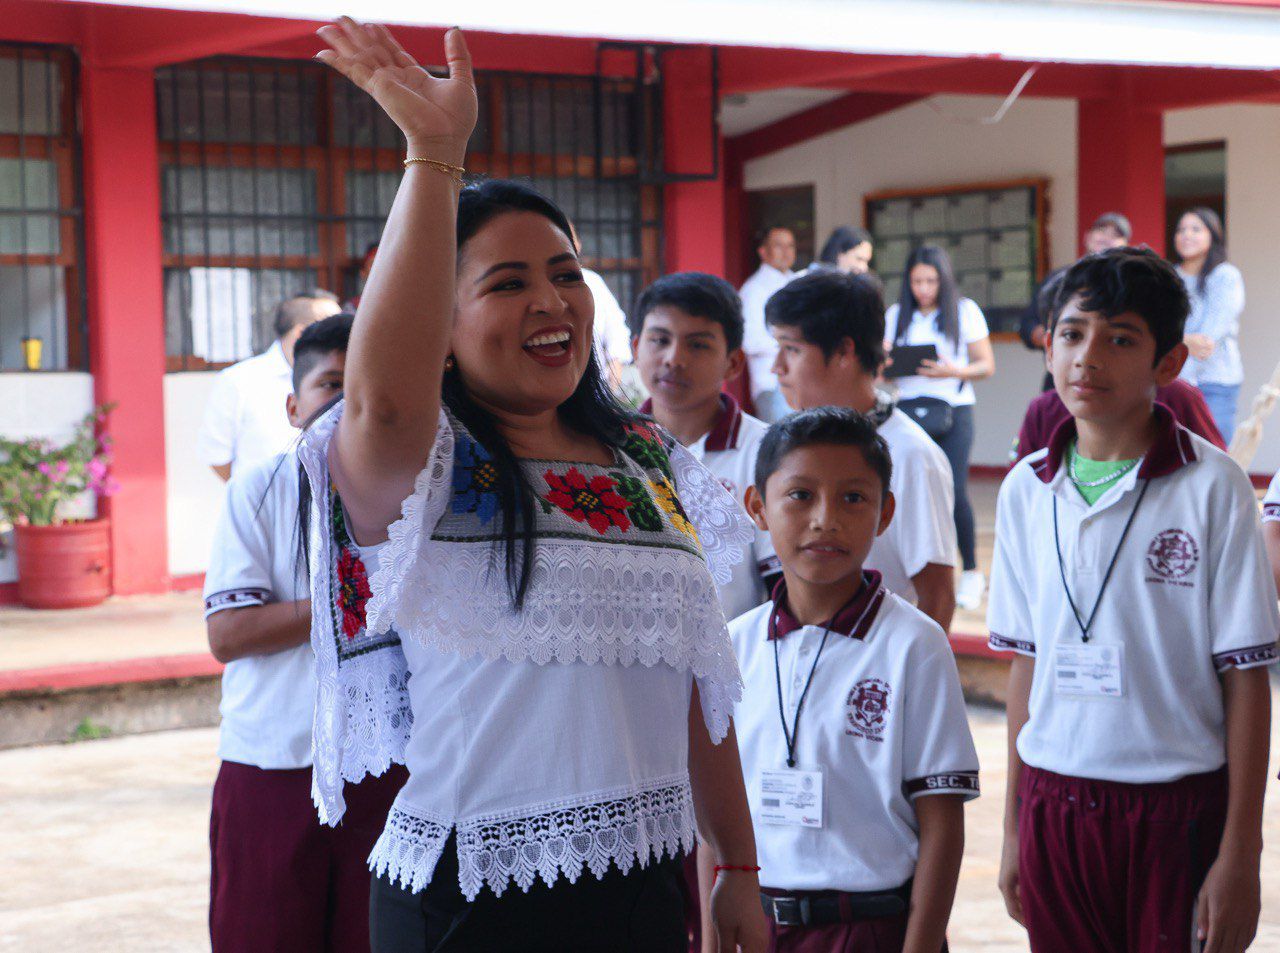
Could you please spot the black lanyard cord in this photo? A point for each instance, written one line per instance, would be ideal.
(791, 735)
(1062, 569)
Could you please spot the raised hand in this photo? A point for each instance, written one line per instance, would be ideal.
(436, 115)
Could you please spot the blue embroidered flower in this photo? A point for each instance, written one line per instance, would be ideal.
(474, 480)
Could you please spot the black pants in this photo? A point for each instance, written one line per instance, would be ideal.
(641, 911)
(956, 443)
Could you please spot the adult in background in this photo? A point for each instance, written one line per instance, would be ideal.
(940, 397)
(1109, 230)
(846, 249)
(1216, 289)
(777, 250)
(244, 420)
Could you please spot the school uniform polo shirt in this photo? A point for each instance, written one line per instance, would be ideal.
(245, 421)
(923, 528)
(1190, 596)
(884, 721)
(267, 700)
(1271, 502)
(729, 451)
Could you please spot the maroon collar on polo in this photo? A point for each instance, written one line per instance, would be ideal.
(1171, 450)
(854, 619)
(724, 432)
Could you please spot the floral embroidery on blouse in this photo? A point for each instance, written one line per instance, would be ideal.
(474, 480)
(644, 515)
(352, 590)
(644, 445)
(665, 495)
(593, 501)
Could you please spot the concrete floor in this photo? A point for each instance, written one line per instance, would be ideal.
(105, 847)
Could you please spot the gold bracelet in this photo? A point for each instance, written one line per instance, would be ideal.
(453, 171)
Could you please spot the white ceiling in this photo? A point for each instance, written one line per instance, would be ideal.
(1082, 31)
(742, 112)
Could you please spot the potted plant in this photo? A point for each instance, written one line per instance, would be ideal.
(63, 562)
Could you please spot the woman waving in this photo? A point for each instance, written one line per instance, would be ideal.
(544, 647)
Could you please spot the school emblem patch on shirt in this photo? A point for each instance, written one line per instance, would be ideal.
(1172, 556)
(866, 709)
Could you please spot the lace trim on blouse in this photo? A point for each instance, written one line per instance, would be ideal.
(494, 851)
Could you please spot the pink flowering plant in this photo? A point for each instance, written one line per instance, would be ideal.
(38, 475)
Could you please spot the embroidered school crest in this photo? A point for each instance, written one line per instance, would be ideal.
(866, 708)
(1172, 555)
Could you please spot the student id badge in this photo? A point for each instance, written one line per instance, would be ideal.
(790, 797)
(1095, 671)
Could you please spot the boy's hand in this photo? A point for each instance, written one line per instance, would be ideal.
(1008, 879)
(1229, 904)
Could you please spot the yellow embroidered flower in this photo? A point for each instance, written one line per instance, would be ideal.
(664, 494)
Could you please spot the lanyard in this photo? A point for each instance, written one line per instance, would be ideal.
(791, 734)
(1062, 569)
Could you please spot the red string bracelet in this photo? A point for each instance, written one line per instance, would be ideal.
(747, 868)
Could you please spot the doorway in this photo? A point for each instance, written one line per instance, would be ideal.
(1195, 175)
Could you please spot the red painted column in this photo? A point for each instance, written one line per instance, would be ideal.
(694, 211)
(126, 312)
(1120, 151)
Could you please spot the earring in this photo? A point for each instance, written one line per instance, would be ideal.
(449, 363)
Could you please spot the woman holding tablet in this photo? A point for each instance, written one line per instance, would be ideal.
(939, 395)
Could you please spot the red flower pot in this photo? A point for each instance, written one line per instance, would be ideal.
(63, 567)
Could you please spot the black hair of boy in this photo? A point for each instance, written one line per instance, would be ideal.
(823, 425)
(697, 294)
(1134, 280)
(319, 340)
(828, 306)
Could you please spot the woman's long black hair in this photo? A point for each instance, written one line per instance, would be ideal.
(947, 320)
(591, 409)
(1217, 253)
(842, 239)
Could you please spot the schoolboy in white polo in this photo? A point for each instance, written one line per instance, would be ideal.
(830, 332)
(687, 341)
(1130, 579)
(1271, 526)
(852, 729)
(280, 880)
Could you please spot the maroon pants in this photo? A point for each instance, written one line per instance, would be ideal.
(882, 935)
(1115, 868)
(281, 881)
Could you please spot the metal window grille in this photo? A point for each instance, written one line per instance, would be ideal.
(277, 176)
(42, 305)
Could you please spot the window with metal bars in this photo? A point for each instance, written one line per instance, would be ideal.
(277, 176)
(42, 307)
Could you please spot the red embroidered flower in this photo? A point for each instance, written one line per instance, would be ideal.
(353, 592)
(593, 501)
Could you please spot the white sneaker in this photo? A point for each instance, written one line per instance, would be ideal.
(972, 585)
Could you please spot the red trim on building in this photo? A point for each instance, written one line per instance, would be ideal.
(1120, 167)
(61, 678)
(126, 313)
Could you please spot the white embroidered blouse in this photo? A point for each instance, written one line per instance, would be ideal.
(547, 740)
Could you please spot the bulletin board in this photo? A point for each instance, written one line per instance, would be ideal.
(994, 232)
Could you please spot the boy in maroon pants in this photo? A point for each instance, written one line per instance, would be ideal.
(280, 880)
(1131, 583)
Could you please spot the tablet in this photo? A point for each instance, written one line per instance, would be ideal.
(907, 358)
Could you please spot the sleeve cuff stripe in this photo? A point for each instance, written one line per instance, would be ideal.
(235, 599)
(1247, 657)
(1004, 644)
(1270, 512)
(957, 782)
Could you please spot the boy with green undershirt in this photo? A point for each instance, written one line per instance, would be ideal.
(1130, 582)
